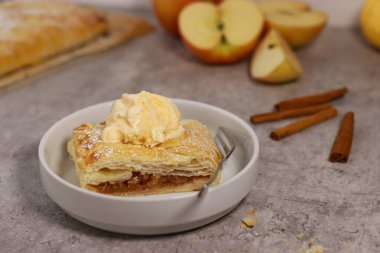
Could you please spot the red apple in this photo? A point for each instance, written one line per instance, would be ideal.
(167, 12)
(223, 33)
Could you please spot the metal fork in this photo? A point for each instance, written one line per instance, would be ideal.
(226, 145)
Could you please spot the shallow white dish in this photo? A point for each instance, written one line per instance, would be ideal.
(158, 214)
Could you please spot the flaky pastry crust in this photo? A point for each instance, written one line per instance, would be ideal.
(181, 164)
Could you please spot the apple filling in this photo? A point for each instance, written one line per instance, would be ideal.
(140, 182)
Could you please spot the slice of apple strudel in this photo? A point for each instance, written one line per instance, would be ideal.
(179, 164)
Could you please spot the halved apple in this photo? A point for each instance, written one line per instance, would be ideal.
(274, 62)
(223, 33)
(167, 12)
(294, 20)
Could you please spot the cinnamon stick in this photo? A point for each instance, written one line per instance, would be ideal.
(312, 99)
(343, 141)
(299, 125)
(285, 114)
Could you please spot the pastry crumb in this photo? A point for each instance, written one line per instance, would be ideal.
(310, 248)
(242, 225)
(249, 221)
(315, 249)
(299, 236)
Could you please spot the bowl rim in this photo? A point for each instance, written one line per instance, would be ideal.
(45, 166)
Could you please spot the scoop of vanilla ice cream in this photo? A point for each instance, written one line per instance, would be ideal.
(142, 119)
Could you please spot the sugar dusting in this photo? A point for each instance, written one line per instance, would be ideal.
(22, 22)
(92, 148)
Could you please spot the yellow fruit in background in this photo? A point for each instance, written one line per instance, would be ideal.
(370, 22)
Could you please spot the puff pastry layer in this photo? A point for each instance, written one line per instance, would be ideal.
(33, 31)
(177, 165)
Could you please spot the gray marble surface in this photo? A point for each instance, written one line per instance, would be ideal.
(299, 196)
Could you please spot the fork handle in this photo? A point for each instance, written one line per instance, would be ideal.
(206, 185)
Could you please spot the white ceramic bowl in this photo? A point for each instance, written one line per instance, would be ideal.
(158, 214)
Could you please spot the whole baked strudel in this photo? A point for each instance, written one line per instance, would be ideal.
(32, 31)
(143, 148)
(39, 34)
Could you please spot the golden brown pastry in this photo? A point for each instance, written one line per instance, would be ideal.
(180, 164)
(33, 31)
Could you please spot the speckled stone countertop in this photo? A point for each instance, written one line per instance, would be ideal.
(299, 196)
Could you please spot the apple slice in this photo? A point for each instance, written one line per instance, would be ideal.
(273, 6)
(274, 62)
(294, 20)
(223, 33)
